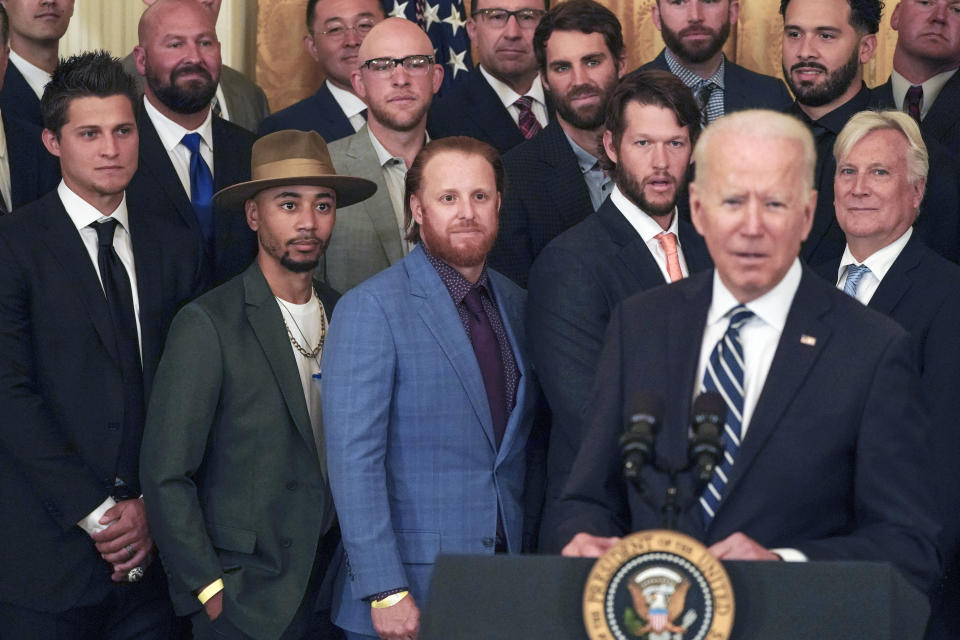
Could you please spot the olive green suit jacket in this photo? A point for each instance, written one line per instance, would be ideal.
(230, 466)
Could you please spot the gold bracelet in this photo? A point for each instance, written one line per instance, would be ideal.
(389, 601)
(210, 590)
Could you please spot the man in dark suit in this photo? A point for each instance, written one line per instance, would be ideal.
(335, 30)
(882, 165)
(35, 32)
(925, 82)
(825, 439)
(555, 180)
(694, 33)
(235, 427)
(186, 152)
(88, 286)
(29, 170)
(635, 241)
(237, 100)
(502, 101)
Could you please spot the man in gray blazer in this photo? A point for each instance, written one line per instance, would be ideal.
(398, 94)
(231, 456)
(238, 100)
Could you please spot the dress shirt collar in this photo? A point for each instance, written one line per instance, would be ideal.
(880, 261)
(453, 280)
(772, 307)
(836, 119)
(690, 78)
(931, 89)
(3, 140)
(383, 156)
(350, 104)
(36, 77)
(647, 227)
(83, 214)
(586, 160)
(507, 95)
(171, 133)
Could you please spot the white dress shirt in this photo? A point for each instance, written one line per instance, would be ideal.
(879, 264)
(508, 96)
(760, 336)
(931, 89)
(6, 187)
(351, 105)
(649, 229)
(36, 77)
(83, 214)
(171, 135)
(394, 174)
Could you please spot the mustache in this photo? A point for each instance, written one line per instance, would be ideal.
(689, 31)
(808, 65)
(305, 237)
(191, 68)
(582, 90)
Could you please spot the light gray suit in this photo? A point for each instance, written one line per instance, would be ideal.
(246, 102)
(367, 238)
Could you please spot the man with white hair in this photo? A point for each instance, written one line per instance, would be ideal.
(824, 439)
(881, 173)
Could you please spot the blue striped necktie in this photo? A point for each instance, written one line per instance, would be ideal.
(854, 273)
(724, 375)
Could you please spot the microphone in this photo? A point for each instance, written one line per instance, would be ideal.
(636, 444)
(706, 443)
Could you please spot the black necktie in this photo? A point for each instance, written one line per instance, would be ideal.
(116, 286)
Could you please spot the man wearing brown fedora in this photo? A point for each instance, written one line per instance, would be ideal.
(231, 462)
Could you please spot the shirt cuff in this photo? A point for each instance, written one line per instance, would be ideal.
(91, 524)
(790, 555)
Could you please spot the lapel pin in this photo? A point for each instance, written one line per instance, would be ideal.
(808, 340)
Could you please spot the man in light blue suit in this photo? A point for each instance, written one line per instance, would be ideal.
(428, 399)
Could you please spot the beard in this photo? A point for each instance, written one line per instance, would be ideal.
(587, 118)
(188, 99)
(470, 254)
(275, 249)
(404, 121)
(833, 86)
(635, 191)
(698, 53)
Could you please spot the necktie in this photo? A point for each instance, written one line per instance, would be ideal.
(724, 375)
(668, 242)
(116, 286)
(215, 105)
(529, 126)
(704, 94)
(487, 350)
(201, 187)
(912, 102)
(854, 273)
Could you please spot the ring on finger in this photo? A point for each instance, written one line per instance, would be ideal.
(131, 551)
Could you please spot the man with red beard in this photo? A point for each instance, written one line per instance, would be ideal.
(555, 179)
(396, 76)
(186, 151)
(635, 241)
(694, 33)
(428, 399)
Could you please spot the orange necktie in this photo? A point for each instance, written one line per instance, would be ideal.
(668, 242)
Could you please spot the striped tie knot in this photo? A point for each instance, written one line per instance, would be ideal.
(855, 273)
(738, 317)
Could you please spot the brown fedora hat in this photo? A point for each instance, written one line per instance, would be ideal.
(293, 157)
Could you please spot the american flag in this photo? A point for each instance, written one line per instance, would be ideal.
(444, 21)
(658, 619)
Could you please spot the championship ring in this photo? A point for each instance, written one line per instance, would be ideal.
(135, 574)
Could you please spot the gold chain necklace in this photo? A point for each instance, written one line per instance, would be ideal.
(316, 351)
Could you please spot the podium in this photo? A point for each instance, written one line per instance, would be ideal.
(540, 597)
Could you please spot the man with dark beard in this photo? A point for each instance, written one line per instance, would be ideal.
(555, 179)
(232, 460)
(694, 33)
(428, 399)
(187, 152)
(396, 77)
(635, 241)
(825, 45)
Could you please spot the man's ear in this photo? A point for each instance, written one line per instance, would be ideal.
(51, 141)
(252, 213)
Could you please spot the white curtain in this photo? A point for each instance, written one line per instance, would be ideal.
(112, 25)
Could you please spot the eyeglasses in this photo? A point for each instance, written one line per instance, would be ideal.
(526, 18)
(417, 65)
(338, 31)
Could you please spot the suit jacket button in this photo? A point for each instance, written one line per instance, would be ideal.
(488, 542)
(286, 542)
(292, 485)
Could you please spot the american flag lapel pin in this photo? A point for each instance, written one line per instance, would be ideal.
(808, 340)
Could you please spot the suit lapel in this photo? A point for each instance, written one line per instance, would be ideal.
(266, 320)
(570, 187)
(485, 108)
(148, 259)
(68, 249)
(944, 113)
(897, 281)
(511, 315)
(363, 162)
(438, 312)
(328, 109)
(791, 365)
(155, 161)
(633, 252)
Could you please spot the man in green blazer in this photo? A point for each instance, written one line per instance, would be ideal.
(232, 449)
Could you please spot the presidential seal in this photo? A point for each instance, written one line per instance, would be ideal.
(658, 585)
